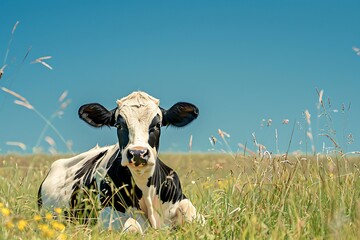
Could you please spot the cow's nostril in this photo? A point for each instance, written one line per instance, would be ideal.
(130, 155)
(145, 153)
(138, 156)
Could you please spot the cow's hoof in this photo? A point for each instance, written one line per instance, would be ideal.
(132, 226)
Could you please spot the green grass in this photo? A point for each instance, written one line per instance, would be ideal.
(241, 198)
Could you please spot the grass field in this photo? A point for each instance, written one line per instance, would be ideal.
(241, 197)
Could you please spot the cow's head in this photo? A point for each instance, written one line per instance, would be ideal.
(138, 119)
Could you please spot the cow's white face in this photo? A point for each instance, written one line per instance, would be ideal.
(138, 120)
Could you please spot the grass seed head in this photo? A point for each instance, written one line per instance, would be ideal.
(307, 116)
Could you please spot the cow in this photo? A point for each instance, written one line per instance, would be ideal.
(134, 189)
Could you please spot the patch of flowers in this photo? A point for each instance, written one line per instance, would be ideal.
(49, 226)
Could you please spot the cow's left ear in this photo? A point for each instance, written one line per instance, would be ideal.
(97, 115)
(179, 115)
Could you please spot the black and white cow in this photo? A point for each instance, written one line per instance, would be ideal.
(127, 177)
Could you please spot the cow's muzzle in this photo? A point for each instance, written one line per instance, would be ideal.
(138, 156)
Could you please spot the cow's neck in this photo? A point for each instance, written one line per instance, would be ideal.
(141, 178)
(161, 189)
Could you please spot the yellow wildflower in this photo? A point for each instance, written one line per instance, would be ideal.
(46, 231)
(37, 218)
(9, 225)
(58, 226)
(43, 227)
(48, 216)
(49, 233)
(62, 236)
(58, 210)
(21, 225)
(5, 211)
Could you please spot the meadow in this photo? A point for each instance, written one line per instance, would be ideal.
(240, 196)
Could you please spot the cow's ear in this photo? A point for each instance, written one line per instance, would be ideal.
(179, 115)
(97, 115)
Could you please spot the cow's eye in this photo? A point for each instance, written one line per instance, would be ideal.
(156, 127)
(120, 124)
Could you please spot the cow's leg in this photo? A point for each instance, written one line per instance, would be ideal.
(111, 219)
(150, 212)
(185, 212)
(132, 226)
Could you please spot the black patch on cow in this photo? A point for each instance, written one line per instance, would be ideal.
(167, 183)
(122, 132)
(39, 199)
(118, 189)
(113, 159)
(83, 202)
(154, 132)
(88, 169)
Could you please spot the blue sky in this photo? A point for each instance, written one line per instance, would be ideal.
(239, 61)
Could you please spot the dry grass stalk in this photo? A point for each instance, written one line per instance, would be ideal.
(331, 139)
(58, 113)
(63, 96)
(285, 121)
(10, 41)
(321, 93)
(190, 143)
(2, 70)
(40, 60)
(17, 144)
(69, 144)
(223, 134)
(242, 146)
(277, 140)
(50, 141)
(261, 148)
(24, 104)
(309, 134)
(309, 131)
(52, 151)
(14, 94)
(212, 140)
(307, 116)
(254, 139)
(14, 28)
(65, 104)
(26, 55)
(356, 50)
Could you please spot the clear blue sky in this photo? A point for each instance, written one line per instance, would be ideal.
(239, 61)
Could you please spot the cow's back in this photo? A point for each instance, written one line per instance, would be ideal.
(58, 185)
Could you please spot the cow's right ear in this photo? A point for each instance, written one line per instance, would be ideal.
(180, 114)
(97, 115)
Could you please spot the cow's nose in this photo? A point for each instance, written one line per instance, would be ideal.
(138, 156)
